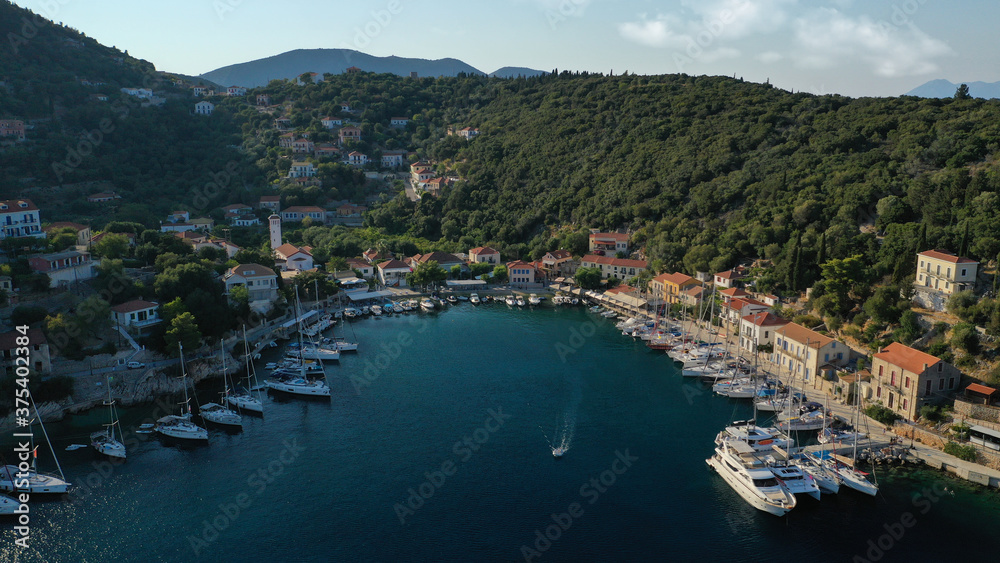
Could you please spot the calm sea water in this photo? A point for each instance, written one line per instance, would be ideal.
(342, 481)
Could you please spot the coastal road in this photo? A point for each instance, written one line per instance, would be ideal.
(408, 188)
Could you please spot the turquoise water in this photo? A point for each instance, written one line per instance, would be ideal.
(419, 409)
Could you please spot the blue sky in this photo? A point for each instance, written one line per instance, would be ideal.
(851, 47)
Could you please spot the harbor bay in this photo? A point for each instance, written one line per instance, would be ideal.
(436, 446)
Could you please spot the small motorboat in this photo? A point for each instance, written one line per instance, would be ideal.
(452, 299)
(558, 452)
(145, 428)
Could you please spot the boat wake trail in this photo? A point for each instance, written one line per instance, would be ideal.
(565, 432)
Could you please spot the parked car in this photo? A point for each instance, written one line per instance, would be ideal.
(135, 365)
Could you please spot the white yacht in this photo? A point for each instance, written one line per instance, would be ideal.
(533, 299)
(104, 441)
(31, 482)
(474, 298)
(854, 479)
(795, 479)
(427, 304)
(757, 438)
(510, 301)
(300, 386)
(312, 351)
(213, 412)
(376, 310)
(519, 301)
(828, 480)
(758, 487)
(180, 426)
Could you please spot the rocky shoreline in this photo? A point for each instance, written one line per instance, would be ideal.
(128, 387)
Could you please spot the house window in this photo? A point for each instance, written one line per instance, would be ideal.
(765, 334)
(963, 272)
(906, 404)
(927, 388)
(907, 382)
(878, 392)
(941, 384)
(826, 357)
(880, 370)
(948, 272)
(893, 378)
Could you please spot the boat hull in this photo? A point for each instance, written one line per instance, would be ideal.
(34, 482)
(307, 390)
(741, 489)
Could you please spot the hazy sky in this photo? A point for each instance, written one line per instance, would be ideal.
(856, 48)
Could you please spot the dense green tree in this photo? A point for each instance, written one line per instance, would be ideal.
(183, 330)
(588, 278)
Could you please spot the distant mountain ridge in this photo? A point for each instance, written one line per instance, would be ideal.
(291, 64)
(942, 88)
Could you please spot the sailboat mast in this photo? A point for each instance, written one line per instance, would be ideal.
(180, 347)
(34, 461)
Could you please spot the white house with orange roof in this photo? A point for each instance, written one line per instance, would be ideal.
(331, 122)
(736, 309)
(204, 107)
(362, 266)
(261, 282)
(484, 254)
(236, 91)
(392, 273)
(905, 379)
(443, 259)
(726, 279)
(303, 146)
(392, 159)
(20, 218)
(521, 272)
(941, 274)
(136, 316)
(355, 158)
(270, 202)
(759, 329)
(302, 169)
(621, 268)
(293, 257)
(731, 293)
(558, 263)
(609, 243)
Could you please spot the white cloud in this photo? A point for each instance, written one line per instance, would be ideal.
(811, 36)
(769, 57)
(828, 38)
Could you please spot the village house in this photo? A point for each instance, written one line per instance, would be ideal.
(10, 350)
(364, 268)
(692, 296)
(520, 272)
(301, 169)
(621, 268)
(941, 274)
(136, 316)
(291, 257)
(326, 150)
(285, 140)
(559, 263)
(443, 259)
(83, 233)
(392, 159)
(349, 133)
(238, 208)
(63, 268)
(609, 243)
(303, 146)
(236, 91)
(484, 254)
(202, 223)
(758, 329)
(355, 158)
(102, 197)
(204, 108)
(141, 93)
(20, 218)
(468, 133)
(243, 220)
(668, 288)
(727, 279)
(261, 282)
(398, 122)
(6, 285)
(731, 293)
(197, 241)
(199, 90)
(263, 100)
(808, 355)
(905, 379)
(736, 309)
(98, 97)
(297, 213)
(270, 202)
(373, 256)
(12, 129)
(392, 273)
(344, 106)
(179, 216)
(331, 122)
(282, 123)
(351, 210)
(176, 227)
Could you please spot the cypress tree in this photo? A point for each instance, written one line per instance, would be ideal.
(922, 239)
(963, 246)
(821, 253)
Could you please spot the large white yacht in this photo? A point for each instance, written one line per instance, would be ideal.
(758, 487)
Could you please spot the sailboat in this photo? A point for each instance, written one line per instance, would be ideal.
(299, 384)
(216, 413)
(180, 426)
(851, 476)
(104, 441)
(245, 400)
(828, 480)
(31, 481)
